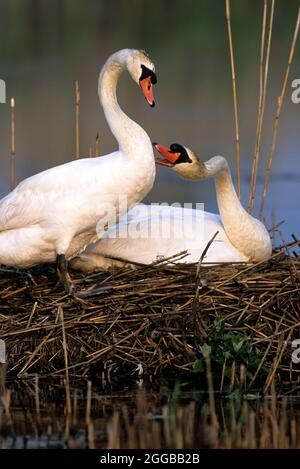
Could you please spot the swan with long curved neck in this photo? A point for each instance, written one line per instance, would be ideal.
(240, 237)
(53, 215)
(247, 234)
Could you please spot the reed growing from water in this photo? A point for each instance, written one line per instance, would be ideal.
(13, 144)
(278, 114)
(77, 120)
(144, 418)
(263, 80)
(235, 103)
(97, 145)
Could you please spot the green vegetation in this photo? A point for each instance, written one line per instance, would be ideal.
(228, 352)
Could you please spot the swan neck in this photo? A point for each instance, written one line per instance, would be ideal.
(128, 133)
(217, 167)
(247, 234)
(226, 194)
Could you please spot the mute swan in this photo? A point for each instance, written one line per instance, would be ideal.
(53, 215)
(240, 236)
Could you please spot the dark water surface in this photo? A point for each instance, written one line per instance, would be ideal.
(35, 416)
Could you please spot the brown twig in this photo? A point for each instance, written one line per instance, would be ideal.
(77, 120)
(235, 105)
(262, 100)
(13, 145)
(278, 113)
(97, 146)
(65, 347)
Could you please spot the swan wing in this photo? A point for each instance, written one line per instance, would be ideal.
(46, 193)
(18, 210)
(141, 237)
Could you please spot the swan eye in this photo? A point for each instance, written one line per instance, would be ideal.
(181, 151)
(147, 73)
(184, 158)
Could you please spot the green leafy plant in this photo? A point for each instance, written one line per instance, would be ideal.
(229, 347)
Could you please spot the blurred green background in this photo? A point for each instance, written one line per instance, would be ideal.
(45, 45)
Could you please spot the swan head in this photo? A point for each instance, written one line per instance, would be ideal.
(142, 71)
(182, 160)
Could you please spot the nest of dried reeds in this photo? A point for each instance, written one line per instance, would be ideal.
(153, 320)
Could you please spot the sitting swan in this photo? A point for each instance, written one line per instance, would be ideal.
(53, 215)
(240, 237)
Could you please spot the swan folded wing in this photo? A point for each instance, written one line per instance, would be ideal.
(44, 192)
(221, 250)
(18, 210)
(32, 201)
(73, 175)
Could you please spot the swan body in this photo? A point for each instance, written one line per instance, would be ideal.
(240, 236)
(145, 250)
(56, 211)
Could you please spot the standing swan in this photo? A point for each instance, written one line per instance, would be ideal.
(53, 215)
(240, 238)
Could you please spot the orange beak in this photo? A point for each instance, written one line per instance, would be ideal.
(147, 89)
(170, 157)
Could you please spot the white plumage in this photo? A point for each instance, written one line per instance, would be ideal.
(240, 236)
(56, 212)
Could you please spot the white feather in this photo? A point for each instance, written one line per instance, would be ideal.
(240, 237)
(56, 211)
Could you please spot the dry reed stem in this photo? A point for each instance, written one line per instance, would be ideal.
(212, 405)
(97, 146)
(262, 100)
(277, 117)
(37, 395)
(34, 354)
(264, 356)
(143, 419)
(281, 349)
(77, 120)
(65, 348)
(31, 314)
(149, 317)
(88, 403)
(235, 105)
(197, 321)
(13, 145)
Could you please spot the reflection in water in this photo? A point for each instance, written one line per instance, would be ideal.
(140, 418)
(44, 47)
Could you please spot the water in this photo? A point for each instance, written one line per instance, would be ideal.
(140, 417)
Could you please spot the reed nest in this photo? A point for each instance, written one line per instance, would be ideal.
(152, 320)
